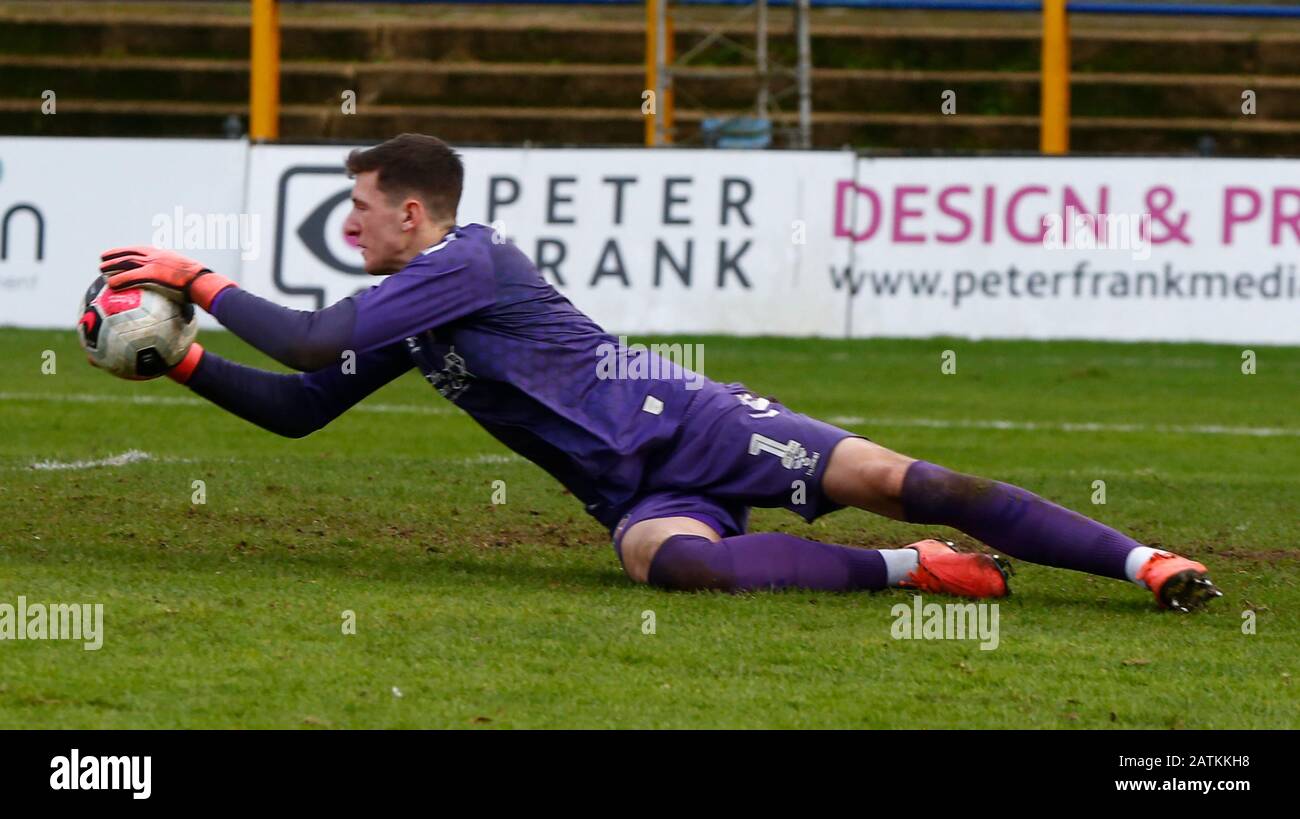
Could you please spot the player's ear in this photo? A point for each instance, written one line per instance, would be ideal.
(412, 214)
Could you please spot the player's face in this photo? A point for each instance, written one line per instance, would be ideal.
(383, 230)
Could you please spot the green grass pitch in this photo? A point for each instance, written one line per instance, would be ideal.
(475, 614)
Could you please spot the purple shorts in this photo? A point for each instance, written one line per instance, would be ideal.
(735, 451)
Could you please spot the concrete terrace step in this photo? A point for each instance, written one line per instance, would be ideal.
(613, 86)
(622, 126)
(622, 42)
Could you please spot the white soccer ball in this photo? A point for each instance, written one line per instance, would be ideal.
(136, 334)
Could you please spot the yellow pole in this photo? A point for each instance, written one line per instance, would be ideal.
(1055, 134)
(651, 68)
(670, 54)
(264, 70)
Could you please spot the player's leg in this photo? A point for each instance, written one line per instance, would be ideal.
(640, 542)
(685, 553)
(1007, 518)
(865, 474)
(741, 451)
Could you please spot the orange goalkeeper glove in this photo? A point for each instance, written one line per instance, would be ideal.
(168, 273)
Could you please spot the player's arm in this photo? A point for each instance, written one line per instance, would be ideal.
(450, 286)
(292, 405)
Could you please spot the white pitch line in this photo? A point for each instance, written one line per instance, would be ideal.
(184, 401)
(1033, 426)
(61, 398)
(135, 456)
(488, 458)
(403, 409)
(844, 420)
(131, 456)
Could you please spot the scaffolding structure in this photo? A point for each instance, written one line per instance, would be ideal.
(662, 63)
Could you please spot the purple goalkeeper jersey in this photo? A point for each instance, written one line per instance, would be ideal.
(492, 336)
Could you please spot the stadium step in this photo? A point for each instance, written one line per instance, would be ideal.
(423, 82)
(528, 38)
(880, 133)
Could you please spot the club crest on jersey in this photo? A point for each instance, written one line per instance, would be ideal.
(452, 379)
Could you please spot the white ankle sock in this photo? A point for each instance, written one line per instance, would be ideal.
(899, 563)
(1135, 561)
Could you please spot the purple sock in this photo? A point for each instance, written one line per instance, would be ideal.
(769, 560)
(1013, 520)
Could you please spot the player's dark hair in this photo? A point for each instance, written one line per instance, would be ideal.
(415, 164)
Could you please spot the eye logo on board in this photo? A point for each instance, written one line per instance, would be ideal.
(312, 232)
(312, 201)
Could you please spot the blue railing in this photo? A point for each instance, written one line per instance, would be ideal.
(1077, 7)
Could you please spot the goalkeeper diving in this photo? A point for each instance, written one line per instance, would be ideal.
(670, 466)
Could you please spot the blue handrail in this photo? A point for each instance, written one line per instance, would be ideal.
(1076, 7)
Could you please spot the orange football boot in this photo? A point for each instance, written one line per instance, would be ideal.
(941, 569)
(1178, 583)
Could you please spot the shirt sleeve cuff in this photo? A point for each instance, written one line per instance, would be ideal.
(181, 372)
(206, 288)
